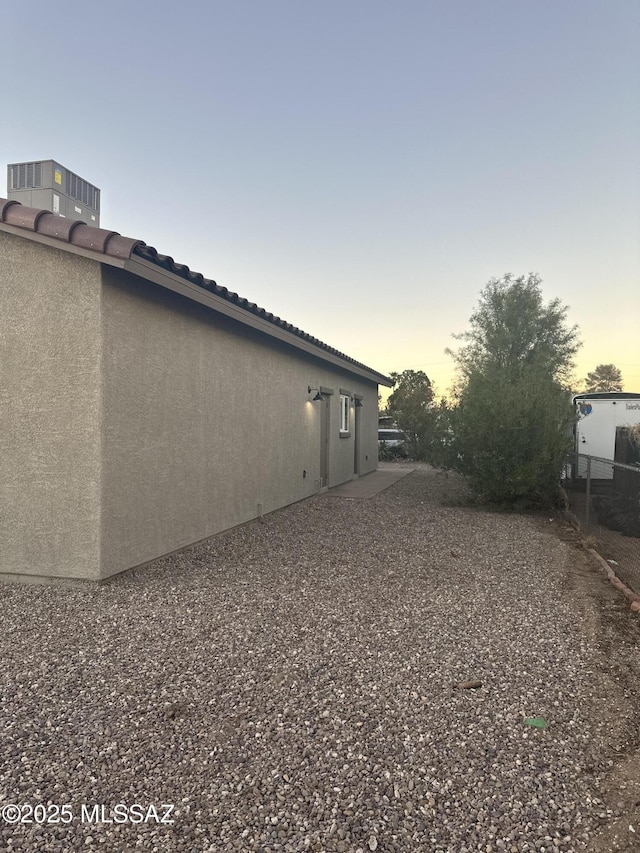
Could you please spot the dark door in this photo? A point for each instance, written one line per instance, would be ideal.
(324, 442)
(356, 439)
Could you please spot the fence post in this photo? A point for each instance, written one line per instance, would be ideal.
(588, 507)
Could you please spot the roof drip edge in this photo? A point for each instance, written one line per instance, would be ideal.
(79, 234)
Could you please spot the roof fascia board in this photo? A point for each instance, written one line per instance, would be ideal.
(171, 281)
(147, 270)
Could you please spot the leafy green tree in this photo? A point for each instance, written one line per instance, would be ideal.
(513, 327)
(411, 405)
(510, 427)
(605, 377)
(511, 432)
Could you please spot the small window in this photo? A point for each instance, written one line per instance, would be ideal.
(344, 413)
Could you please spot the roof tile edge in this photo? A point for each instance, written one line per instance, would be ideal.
(81, 235)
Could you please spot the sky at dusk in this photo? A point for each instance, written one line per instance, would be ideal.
(360, 169)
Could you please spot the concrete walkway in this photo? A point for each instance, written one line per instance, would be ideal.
(370, 484)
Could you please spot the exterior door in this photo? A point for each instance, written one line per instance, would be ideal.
(324, 442)
(356, 439)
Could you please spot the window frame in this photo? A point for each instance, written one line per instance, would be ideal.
(345, 413)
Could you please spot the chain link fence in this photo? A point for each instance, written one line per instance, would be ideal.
(604, 501)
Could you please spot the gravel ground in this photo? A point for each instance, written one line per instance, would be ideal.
(291, 685)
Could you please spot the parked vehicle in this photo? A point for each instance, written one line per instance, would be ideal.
(598, 417)
(392, 442)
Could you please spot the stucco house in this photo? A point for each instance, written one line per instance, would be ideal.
(143, 407)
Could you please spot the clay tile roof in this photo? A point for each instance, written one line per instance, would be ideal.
(112, 244)
(72, 231)
(57, 226)
(22, 217)
(120, 247)
(5, 204)
(95, 239)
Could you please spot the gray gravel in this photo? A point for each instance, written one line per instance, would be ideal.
(290, 686)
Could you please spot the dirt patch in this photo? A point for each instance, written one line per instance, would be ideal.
(615, 631)
(622, 795)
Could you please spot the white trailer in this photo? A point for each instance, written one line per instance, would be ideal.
(598, 416)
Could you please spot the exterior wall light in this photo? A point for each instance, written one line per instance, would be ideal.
(318, 394)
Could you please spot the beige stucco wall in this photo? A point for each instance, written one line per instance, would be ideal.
(134, 421)
(206, 423)
(49, 411)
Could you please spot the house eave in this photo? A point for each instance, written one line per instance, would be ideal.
(151, 272)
